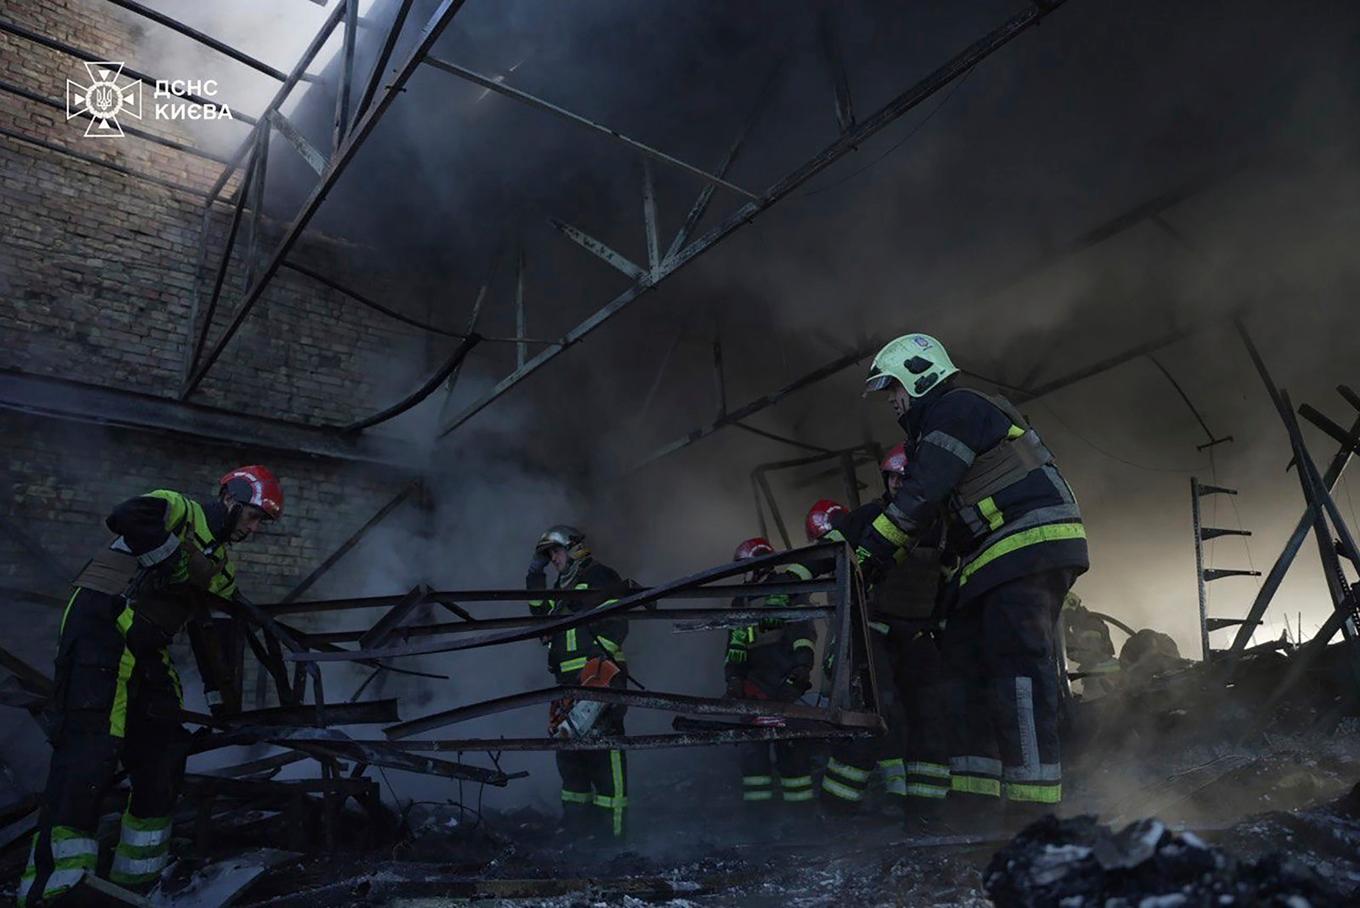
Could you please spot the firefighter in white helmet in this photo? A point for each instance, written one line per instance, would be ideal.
(1015, 527)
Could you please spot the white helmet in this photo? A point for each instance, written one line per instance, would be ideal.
(918, 361)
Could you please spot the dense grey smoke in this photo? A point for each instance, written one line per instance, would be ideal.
(957, 221)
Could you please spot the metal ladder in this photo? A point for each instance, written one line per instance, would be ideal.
(1204, 577)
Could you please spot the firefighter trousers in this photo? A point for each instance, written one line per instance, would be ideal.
(851, 764)
(1003, 691)
(115, 689)
(595, 782)
(921, 683)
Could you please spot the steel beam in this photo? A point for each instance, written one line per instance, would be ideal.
(706, 706)
(334, 558)
(711, 618)
(599, 250)
(501, 88)
(825, 371)
(299, 70)
(201, 37)
(700, 206)
(641, 742)
(116, 408)
(620, 605)
(865, 129)
(315, 159)
(438, 21)
(1285, 559)
(649, 219)
(346, 73)
(716, 591)
(224, 261)
(385, 54)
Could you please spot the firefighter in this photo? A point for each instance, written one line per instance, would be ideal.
(116, 690)
(771, 660)
(594, 782)
(907, 598)
(852, 764)
(1016, 527)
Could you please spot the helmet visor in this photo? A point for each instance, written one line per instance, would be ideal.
(879, 382)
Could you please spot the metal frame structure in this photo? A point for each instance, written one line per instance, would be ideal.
(850, 710)
(1334, 537)
(355, 122)
(354, 126)
(1204, 576)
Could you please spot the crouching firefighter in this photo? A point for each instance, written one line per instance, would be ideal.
(1017, 532)
(594, 782)
(771, 660)
(116, 690)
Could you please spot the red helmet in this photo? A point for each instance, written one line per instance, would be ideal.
(819, 517)
(255, 485)
(753, 548)
(896, 461)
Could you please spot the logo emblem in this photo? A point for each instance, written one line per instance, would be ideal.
(921, 342)
(104, 100)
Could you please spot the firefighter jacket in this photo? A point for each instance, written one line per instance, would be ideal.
(1009, 512)
(774, 655)
(569, 650)
(169, 551)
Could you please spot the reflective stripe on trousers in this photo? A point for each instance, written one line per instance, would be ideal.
(796, 788)
(975, 776)
(143, 850)
(844, 781)
(757, 788)
(927, 780)
(72, 852)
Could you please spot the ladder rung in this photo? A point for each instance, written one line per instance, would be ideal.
(1207, 533)
(1214, 490)
(1215, 624)
(1219, 573)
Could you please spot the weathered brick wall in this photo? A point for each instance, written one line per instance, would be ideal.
(96, 275)
(97, 268)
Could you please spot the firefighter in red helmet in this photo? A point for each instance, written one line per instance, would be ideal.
(771, 660)
(905, 600)
(115, 684)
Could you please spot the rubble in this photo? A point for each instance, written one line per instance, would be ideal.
(1075, 862)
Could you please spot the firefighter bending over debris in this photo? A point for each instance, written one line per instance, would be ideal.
(1015, 525)
(117, 691)
(771, 660)
(589, 656)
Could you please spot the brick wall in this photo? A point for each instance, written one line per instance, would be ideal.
(96, 277)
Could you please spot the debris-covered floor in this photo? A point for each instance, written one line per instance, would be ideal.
(1269, 825)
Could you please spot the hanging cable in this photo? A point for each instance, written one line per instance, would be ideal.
(1099, 450)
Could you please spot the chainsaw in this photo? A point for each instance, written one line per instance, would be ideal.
(568, 718)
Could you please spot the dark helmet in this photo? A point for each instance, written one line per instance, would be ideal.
(568, 537)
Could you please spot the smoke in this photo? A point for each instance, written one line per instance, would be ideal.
(1081, 120)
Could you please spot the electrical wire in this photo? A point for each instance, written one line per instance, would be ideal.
(917, 128)
(1099, 450)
